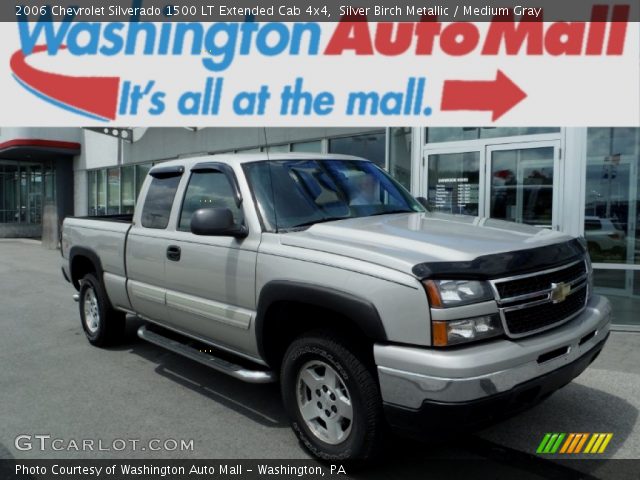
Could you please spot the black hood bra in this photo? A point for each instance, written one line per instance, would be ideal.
(505, 264)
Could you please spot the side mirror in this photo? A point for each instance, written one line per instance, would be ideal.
(424, 202)
(216, 222)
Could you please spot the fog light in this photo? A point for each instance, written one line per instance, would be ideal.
(454, 332)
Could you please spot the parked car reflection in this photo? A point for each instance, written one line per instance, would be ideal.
(606, 239)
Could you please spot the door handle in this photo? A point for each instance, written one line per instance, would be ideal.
(173, 253)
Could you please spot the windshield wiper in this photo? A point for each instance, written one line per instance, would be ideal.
(385, 212)
(313, 222)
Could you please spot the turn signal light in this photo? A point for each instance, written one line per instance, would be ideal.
(453, 332)
(433, 293)
(439, 334)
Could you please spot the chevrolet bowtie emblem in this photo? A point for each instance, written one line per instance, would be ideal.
(559, 292)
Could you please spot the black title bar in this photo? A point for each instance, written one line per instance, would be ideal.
(318, 11)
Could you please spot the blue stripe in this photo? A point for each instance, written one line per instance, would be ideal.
(58, 103)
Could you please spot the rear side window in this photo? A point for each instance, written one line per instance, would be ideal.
(210, 189)
(158, 202)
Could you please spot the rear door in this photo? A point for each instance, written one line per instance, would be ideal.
(146, 249)
(211, 284)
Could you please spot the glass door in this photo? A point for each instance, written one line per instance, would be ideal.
(611, 214)
(453, 182)
(517, 182)
(522, 183)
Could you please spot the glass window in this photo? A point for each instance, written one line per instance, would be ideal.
(158, 202)
(113, 191)
(611, 203)
(307, 147)
(127, 188)
(101, 206)
(22, 190)
(249, 150)
(141, 174)
(522, 185)
(609, 278)
(400, 155)
(91, 189)
(278, 148)
(454, 181)
(23, 195)
(208, 190)
(370, 146)
(9, 208)
(49, 184)
(446, 134)
(299, 193)
(35, 190)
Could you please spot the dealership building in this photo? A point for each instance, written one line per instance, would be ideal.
(583, 181)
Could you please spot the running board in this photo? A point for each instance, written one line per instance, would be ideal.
(231, 369)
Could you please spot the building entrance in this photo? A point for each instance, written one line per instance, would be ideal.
(518, 182)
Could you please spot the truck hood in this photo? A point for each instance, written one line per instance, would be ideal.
(401, 241)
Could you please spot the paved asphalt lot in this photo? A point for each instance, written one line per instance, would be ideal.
(53, 382)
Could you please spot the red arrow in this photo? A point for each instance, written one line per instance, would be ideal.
(499, 95)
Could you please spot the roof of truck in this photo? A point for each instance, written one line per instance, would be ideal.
(240, 158)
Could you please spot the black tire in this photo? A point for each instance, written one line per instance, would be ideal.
(364, 438)
(105, 326)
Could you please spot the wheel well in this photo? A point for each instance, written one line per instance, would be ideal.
(284, 321)
(80, 266)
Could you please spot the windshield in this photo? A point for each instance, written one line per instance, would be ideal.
(294, 194)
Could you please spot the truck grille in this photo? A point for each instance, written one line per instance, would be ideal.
(535, 302)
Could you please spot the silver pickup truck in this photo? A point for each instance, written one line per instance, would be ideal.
(323, 273)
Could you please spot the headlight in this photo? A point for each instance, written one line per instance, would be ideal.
(589, 267)
(454, 293)
(453, 332)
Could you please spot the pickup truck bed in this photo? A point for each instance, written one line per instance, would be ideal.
(108, 235)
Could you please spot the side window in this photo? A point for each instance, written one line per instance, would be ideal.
(208, 190)
(158, 202)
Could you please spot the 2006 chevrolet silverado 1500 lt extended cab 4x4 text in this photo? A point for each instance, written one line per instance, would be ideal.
(322, 272)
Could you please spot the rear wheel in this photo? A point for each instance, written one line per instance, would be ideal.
(332, 398)
(101, 323)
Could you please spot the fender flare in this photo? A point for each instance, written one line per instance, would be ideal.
(359, 310)
(88, 253)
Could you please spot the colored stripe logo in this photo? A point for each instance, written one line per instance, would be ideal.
(573, 443)
(93, 97)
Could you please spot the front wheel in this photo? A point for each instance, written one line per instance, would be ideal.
(332, 398)
(101, 323)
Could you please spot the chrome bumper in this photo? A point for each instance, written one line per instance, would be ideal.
(409, 376)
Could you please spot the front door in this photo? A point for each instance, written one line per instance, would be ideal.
(211, 279)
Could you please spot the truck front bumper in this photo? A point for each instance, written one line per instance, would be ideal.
(474, 384)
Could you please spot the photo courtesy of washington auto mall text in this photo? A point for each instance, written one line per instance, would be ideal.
(387, 240)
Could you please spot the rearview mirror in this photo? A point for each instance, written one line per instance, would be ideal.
(216, 222)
